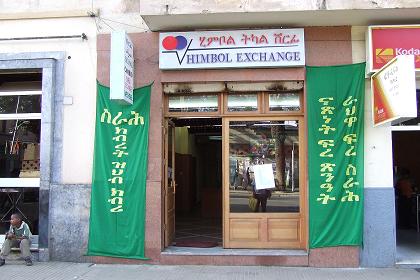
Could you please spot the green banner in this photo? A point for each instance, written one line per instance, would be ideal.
(118, 200)
(335, 96)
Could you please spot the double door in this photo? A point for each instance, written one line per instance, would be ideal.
(263, 158)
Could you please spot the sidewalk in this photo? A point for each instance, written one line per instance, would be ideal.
(86, 271)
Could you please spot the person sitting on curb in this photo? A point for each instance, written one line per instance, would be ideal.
(18, 235)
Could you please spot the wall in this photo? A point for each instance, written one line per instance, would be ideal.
(325, 46)
(155, 7)
(72, 145)
(146, 69)
(69, 229)
(330, 46)
(65, 232)
(79, 85)
(379, 229)
(117, 14)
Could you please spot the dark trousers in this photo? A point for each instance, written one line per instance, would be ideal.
(404, 211)
(261, 200)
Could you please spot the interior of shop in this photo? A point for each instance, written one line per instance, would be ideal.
(406, 162)
(198, 173)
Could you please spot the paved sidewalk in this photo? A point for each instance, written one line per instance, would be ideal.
(85, 271)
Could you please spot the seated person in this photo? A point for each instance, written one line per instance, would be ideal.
(18, 235)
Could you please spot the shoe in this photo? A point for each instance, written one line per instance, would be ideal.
(2, 262)
(28, 261)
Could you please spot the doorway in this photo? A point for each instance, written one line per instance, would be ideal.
(406, 148)
(197, 168)
(220, 142)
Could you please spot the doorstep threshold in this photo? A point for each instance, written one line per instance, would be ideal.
(408, 264)
(219, 251)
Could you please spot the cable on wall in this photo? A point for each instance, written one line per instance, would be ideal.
(82, 36)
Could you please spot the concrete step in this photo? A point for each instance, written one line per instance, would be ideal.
(15, 256)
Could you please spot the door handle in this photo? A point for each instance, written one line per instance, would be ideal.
(173, 185)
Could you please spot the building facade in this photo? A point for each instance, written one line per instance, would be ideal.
(62, 51)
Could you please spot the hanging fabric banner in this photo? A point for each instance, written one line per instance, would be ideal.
(118, 199)
(335, 96)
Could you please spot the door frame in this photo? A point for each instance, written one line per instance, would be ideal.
(263, 219)
(263, 113)
(169, 188)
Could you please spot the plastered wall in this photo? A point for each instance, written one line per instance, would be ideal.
(378, 140)
(79, 83)
(150, 7)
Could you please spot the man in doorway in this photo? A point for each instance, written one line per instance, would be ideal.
(18, 235)
(404, 191)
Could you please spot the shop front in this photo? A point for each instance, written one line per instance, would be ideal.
(228, 144)
(259, 126)
(394, 62)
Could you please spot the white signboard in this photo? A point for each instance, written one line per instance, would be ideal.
(394, 91)
(232, 49)
(264, 176)
(122, 68)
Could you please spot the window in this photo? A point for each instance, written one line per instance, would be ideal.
(284, 101)
(20, 129)
(242, 102)
(193, 103)
(210, 99)
(20, 133)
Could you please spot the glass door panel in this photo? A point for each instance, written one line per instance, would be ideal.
(264, 163)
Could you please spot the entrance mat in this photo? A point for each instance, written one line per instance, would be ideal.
(196, 244)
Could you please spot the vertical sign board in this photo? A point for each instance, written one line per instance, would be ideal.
(335, 106)
(394, 91)
(388, 41)
(232, 49)
(121, 68)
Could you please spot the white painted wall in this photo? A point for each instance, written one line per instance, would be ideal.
(80, 83)
(57, 18)
(116, 14)
(161, 7)
(378, 140)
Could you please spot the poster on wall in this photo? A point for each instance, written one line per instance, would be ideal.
(335, 154)
(118, 198)
(394, 91)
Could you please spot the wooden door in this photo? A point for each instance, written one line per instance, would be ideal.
(275, 145)
(169, 186)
